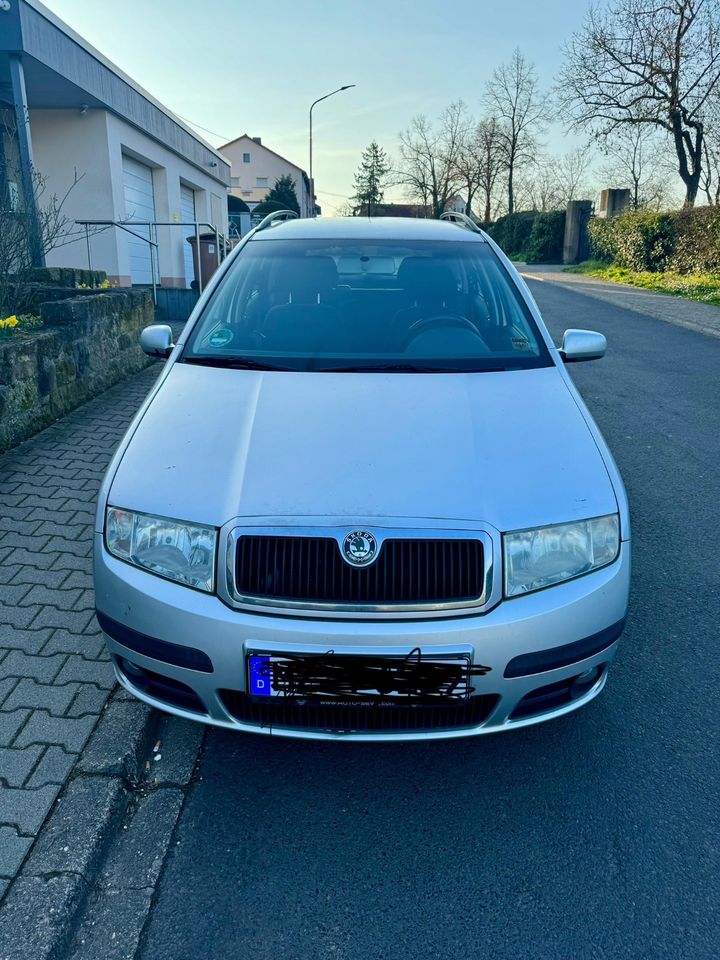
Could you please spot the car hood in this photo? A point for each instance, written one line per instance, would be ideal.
(507, 448)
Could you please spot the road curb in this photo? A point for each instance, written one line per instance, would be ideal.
(38, 910)
(613, 290)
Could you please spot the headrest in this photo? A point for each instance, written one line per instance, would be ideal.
(305, 278)
(425, 277)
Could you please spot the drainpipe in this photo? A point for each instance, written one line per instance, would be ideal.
(22, 123)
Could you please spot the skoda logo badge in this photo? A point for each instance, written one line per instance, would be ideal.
(359, 548)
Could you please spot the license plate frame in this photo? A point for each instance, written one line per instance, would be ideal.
(403, 680)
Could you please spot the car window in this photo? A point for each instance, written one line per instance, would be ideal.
(325, 305)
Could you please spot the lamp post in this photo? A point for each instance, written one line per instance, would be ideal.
(319, 100)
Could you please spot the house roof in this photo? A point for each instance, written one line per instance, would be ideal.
(246, 136)
(63, 70)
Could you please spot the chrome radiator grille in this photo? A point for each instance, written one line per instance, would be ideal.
(312, 570)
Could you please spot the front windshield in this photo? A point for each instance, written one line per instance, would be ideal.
(329, 305)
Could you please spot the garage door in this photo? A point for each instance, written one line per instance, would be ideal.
(139, 205)
(187, 215)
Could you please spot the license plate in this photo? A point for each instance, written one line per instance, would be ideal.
(414, 678)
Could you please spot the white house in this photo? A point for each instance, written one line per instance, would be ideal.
(72, 111)
(255, 168)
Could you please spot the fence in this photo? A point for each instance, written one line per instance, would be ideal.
(222, 244)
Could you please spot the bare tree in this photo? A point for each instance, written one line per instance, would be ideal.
(572, 175)
(647, 62)
(710, 176)
(631, 153)
(468, 162)
(538, 186)
(513, 96)
(429, 158)
(710, 180)
(487, 145)
(553, 181)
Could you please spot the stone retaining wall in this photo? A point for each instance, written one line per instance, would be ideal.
(87, 344)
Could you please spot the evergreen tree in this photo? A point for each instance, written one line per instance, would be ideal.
(284, 193)
(371, 179)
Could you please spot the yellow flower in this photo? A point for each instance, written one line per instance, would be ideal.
(12, 321)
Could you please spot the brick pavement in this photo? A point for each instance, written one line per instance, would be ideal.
(55, 675)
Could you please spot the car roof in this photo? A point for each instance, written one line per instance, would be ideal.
(367, 228)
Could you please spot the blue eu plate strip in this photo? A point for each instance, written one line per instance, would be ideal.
(260, 676)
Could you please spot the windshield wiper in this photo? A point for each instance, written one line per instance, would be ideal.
(233, 363)
(402, 368)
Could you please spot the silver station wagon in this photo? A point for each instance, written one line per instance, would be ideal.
(364, 499)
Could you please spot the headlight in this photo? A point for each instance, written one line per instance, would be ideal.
(545, 555)
(179, 551)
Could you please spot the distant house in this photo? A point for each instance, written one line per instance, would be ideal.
(416, 210)
(65, 108)
(419, 211)
(255, 168)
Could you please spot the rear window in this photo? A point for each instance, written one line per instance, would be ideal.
(321, 305)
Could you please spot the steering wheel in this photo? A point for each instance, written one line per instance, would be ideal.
(440, 320)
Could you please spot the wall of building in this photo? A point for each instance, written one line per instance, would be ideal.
(169, 170)
(66, 144)
(263, 163)
(94, 144)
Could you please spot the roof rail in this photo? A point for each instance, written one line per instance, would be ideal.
(462, 220)
(277, 216)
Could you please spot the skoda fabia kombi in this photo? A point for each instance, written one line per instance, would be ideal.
(364, 499)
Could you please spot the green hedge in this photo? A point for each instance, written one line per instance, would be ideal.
(697, 241)
(512, 232)
(546, 238)
(685, 241)
(531, 236)
(637, 241)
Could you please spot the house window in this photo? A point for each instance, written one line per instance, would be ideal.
(261, 181)
(235, 182)
(246, 158)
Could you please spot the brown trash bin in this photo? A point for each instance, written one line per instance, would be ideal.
(209, 256)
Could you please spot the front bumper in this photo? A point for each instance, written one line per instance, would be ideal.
(539, 623)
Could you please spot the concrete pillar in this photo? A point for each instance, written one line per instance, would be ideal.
(575, 241)
(613, 202)
(22, 124)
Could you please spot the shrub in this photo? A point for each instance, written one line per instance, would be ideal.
(697, 241)
(530, 235)
(512, 232)
(637, 241)
(265, 207)
(545, 243)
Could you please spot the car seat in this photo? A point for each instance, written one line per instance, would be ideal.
(305, 322)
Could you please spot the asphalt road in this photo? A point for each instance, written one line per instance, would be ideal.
(593, 836)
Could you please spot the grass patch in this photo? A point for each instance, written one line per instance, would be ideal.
(703, 287)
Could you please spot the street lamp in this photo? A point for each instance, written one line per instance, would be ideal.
(312, 182)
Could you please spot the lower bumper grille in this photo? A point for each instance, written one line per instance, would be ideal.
(282, 712)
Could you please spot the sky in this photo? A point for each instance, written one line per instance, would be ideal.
(234, 67)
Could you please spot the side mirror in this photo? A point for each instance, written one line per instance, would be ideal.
(156, 340)
(580, 345)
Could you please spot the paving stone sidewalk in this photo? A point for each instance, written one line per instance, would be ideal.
(55, 675)
(701, 317)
